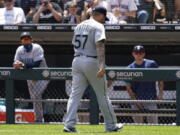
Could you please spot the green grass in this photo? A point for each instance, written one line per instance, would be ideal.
(47, 129)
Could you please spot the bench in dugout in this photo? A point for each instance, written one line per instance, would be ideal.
(166, 109)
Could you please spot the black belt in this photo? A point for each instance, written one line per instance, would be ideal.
(86, 56)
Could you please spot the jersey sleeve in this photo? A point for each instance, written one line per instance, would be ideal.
(154, 64)
(100, 34)
(17, 54)
(38, 54)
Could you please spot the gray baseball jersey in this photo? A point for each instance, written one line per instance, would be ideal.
(84, 69)
(86, 35)
(36, 54)
(36, 88)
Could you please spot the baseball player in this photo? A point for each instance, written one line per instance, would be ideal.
(88, 67)
(30, 55)
(144, 90)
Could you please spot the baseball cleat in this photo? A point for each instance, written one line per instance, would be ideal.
(72, 129)
(116, 129)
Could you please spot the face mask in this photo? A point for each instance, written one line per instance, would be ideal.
(28, 47)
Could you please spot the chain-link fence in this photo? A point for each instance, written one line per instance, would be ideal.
(153, 111)
(55, 97)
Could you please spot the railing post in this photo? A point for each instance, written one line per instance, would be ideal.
(178, 103)
(10, 106)
(94, 108)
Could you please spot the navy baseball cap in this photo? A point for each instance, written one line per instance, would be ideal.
(101, 10)
(138, 48)
(25, 34)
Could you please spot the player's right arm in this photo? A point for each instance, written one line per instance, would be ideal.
(100, 48)
(17, 64)
(132, 95)
(100, 39)
(130, 92)
(17, 54)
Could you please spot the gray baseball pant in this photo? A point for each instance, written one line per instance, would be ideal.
(84, 71)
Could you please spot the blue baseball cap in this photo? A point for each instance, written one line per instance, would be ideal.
(101, 10)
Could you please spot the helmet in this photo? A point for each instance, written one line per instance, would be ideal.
(138, 48)
(25, 34)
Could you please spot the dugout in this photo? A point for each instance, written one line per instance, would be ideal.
(162, 43)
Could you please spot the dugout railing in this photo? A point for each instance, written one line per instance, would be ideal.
(9, 75)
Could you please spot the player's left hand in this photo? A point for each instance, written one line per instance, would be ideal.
(100, 73)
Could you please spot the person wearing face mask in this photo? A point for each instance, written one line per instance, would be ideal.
(29, 55)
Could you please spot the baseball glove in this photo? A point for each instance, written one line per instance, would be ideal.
(18, 65)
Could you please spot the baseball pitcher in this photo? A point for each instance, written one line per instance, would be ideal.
(88, 67)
